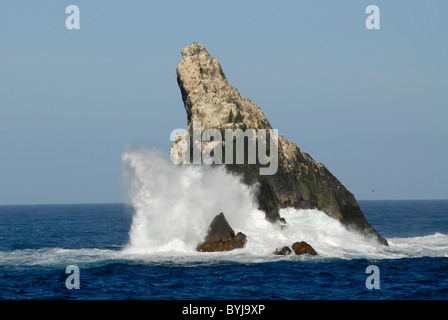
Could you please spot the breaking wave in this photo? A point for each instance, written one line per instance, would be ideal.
(174, 206)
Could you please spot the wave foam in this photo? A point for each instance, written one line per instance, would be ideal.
(174, 206)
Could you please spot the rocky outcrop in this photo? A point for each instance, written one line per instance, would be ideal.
(303, 248)
(299, 248)
(221, 237)
(299, 182)
(283, 251)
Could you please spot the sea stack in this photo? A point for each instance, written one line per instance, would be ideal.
(299, 182)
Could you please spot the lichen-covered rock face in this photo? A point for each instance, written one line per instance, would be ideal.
(221, 237)
(299, 182)
(208, 96)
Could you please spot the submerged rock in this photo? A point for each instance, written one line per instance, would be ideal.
(298, 247)
(299, 181)
(221, 237)
(303, 248)
(283, 251)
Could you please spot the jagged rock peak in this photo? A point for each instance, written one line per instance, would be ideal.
(299, 182)
(209, 97)
(196, 66)
(221, 237)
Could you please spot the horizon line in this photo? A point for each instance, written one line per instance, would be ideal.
(128, 203)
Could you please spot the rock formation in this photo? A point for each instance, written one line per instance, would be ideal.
(283, 251)
(303, 248)
(299, 248)
(221, 237)
(299, 182)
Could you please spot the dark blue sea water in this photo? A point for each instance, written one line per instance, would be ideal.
(38, 242)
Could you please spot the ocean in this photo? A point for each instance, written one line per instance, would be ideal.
(39, 242)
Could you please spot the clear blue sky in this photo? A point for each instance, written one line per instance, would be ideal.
(372, 105)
